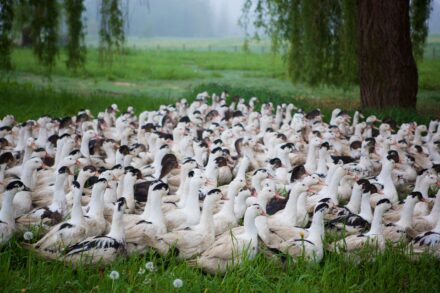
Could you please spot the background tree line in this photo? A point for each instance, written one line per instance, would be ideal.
(37, 23)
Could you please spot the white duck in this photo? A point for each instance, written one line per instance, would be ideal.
(231, 247)
(196, 239)
(102, 249)
(65, 233)
(225, 219)
(374, 237)
(7, 222)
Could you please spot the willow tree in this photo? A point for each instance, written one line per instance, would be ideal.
(111, 31)
(343, 42)
(44, 26)
(6, 41)
(76, 49)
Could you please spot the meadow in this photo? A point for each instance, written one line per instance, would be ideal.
(147, 77)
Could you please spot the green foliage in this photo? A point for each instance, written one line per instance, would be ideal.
(419, 15)
(111, 31)
(44, 25)
(6, 21)
(76, 49)
(322, 35)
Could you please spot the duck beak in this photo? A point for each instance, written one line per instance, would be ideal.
(224, 197)
(438, 183)
(26, 188)
(263, 213)
(269, 176)
(278, 196)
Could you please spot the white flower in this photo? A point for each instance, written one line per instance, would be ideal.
(114, 275)
(147, 281)
(141, 271)
(150, 266)
(28, 235)
(177, 283)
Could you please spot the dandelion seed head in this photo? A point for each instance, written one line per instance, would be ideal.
(149, 266)
(114, 275)
(141, 271)
(28, 235)
(177, 283)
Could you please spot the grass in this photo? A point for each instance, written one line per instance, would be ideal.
(391, 270)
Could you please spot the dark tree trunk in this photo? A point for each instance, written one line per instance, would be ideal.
(387, 70)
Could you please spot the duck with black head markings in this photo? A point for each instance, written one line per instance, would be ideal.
(7, 220)
(374, 237)
(101, 249)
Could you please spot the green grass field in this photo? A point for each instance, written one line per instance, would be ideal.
(145, 77)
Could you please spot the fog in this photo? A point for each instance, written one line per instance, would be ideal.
(191, 18)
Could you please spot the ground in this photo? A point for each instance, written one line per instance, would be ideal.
(159, 72)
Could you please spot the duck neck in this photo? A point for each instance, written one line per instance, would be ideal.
(289, 212)
(241, 173)
(84, 148)
(96, 203)
(77, 212)
(207, 218)
(366, 212)
(128, 192)
(435, 212)
(184, 193)
(376, 224)
(355, 199)
(117, 230)
(256, 183)
(262, 200)
(2, 172)
(110, 194)
(211, 172)
(311, 157)
(192, 202)
(27, 175)
(322, 162)
(59, 195)
(249, 225)
(109, 153)
(424, 187)
(228, 206)
(405, 220)
(317, 228)
(7, 211)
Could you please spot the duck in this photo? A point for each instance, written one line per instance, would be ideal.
(94, 216)
(23, 200)
(311, 162)
(142, 230)
(225, 219)
(190, 214)
(7, 220)
(193, 240)
(373, 237)
(51, 214)
(233, 246)
(288, 216)
(309, 247)
(66, 233)
(427, 242)
(355, 223)
(402, 229)
(428, 222)
(240, 202)
(101, 249)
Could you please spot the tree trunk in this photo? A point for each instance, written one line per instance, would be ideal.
(387, 70)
